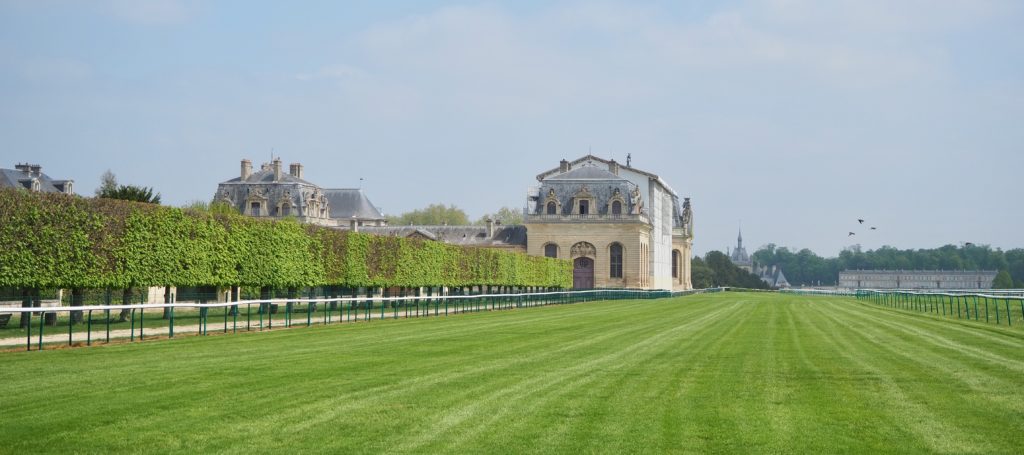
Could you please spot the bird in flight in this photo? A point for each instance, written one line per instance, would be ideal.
(852, 234)
(874, 228)
(859, 220)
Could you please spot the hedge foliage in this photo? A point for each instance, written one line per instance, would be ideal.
(54, 240)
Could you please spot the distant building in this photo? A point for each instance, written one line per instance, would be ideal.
(271, 193)
(739, 255)
(917, 279)
(31, 177)
(773, 276)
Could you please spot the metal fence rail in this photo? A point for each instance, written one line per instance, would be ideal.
(992, 306)
(265, 314)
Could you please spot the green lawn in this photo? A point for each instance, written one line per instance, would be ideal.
(727, 372)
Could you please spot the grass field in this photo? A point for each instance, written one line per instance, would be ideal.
(727, 372)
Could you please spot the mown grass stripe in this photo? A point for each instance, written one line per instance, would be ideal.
(709, 373)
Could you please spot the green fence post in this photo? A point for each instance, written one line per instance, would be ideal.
(131, 334)
(1008, 321)
(88, 330)
(997, 311)
(42, 320)
(70, 320)
(28, 332)
(171, 324)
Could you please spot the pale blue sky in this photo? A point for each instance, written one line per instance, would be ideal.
(796, 116)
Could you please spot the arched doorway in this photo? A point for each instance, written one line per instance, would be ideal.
(583, 273)
(583, 255)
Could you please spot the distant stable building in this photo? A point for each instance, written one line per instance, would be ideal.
(272, 193)
(917, 279)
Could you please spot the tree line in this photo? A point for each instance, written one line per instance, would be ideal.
(805, 268)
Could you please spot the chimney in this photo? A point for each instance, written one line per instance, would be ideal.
(295, 169)
(354, 224)
(26, 168)
(613, 167)
(277, 169)
(563, 166)
(490, 227)
(37, 170)
(246, 169)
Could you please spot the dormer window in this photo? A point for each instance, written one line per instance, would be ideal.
(551, 204)
(616, 208)
(583, 201)
(36, 186)
(254, 209)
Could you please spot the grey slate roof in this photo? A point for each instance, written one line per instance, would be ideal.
(14, 178)
(267, 176)
(511, 235)
(586, 172)
(346, 203)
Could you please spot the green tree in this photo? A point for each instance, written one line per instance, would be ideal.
(131, 193)
(108, 183)
(1015, 265)
(1003, 280)
(432, 215)
(701, 275)
(506, 215)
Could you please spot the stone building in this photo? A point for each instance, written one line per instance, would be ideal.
(620, 226)
(739, 255)
(31, 177)
(272, 193)
(917, 279)
(772, 276)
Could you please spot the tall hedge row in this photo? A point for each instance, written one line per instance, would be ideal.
(56, 240)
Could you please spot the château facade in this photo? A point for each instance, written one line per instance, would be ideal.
(272, 193)
(620, 226)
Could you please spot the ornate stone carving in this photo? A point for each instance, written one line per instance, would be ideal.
(583, 249)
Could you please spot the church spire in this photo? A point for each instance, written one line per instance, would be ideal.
(739, 239)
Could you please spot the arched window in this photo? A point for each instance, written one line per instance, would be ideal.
(551, 208)
(675, 263)
(616, 208)
(286, 209)
(551, 250)
(615, 254)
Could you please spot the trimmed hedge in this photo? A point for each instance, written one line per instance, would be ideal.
(55, 240)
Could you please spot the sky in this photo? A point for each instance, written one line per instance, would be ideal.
(793, 118)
